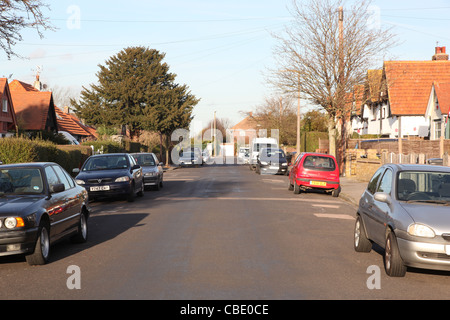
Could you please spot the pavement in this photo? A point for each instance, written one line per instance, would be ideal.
(351, 190)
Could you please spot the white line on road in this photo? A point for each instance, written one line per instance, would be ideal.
(243, 198)
(334, 216)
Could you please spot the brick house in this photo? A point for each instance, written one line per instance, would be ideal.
(7, 114)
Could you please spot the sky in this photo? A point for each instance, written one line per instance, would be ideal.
(222, 50)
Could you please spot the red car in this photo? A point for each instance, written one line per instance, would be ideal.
(315, 171)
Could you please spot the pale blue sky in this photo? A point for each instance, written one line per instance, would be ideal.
(220, 49)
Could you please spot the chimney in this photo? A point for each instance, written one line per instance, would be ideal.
(66, 110)
(440, 54)
(37, 84)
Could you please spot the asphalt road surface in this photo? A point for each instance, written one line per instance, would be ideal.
(217, 232)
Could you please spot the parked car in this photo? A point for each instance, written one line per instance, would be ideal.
(207, 157)
(243, 155)
(271, 161)
(315, 171)
(40, 204)
(109, 175)
(190, 158)
(151, 169)
(405, 210)
(258, 144)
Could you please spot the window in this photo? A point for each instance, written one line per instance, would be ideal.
(372, 186)
(52, 178)
(437, 129)
(386, 182)
(5, 105)
(62, 177)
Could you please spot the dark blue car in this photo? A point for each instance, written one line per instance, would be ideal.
(111, 175)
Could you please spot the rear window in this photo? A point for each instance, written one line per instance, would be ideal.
(319, 163)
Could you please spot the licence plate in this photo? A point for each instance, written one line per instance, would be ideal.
(99, 188)
(318, 183)
(274, 168)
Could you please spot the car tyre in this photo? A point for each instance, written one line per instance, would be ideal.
(132, 194)
(41, 249)
(290, 186)
(393, 262)
(82, 235)
(361, 242)
(296, 188)
(335, 192)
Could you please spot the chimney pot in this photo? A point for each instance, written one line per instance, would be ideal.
(440, 54)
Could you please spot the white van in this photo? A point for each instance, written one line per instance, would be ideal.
(256, 145)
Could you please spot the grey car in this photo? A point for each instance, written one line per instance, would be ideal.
(152, 169)
(405, 209)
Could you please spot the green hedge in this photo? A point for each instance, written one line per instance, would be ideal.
(19, 150)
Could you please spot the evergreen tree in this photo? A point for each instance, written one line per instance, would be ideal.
(136, 89)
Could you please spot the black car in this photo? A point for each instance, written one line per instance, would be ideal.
(40, 203)
(151, 168)
(271, 161)
(109, 175)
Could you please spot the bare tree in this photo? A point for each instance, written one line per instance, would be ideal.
(277, 113)
(326, 51)
(16, 15)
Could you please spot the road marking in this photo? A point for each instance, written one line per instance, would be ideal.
(178, 179)
(243, 198)
(334, 216)
(326, 206)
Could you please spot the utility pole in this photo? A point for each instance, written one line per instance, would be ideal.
(214, 140)
(342, 108)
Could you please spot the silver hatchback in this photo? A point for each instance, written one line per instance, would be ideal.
(405, 209)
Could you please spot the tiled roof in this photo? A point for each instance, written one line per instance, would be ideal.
(19, 86)
(247, 123)
(409, 84)
(31, 107)
(67, 123)
(443, 95)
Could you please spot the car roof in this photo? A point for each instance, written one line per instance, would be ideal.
(419, 167)
(110, 154)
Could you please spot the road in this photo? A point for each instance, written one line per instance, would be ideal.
(218, 232)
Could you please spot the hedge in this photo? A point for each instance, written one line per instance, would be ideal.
(19, 150)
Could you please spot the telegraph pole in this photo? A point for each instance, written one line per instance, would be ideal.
(341, 150)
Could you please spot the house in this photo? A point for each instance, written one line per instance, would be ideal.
(35, 110)
(245, 130)
(7, 115)
(69, 122)
(396, 97)
(438, 109)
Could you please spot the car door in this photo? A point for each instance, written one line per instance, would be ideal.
(56, 205)
(381, 211)
(72, 202)
(137, 173)
(366, 204)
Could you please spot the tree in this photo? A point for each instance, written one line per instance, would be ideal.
(327, 55)
(16, 15)
(136, 89)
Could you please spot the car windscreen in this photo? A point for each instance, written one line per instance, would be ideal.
(258, 146)
(422, 185)
(21, 180)
(187, 155)
(275, 154)
(319, 163)
(107, 162)
(145, 160)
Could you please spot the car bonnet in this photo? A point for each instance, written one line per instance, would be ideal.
(436, 216)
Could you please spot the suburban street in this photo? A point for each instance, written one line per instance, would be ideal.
(217, 232)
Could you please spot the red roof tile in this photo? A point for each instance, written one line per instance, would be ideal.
(443, 95)
(409, 84)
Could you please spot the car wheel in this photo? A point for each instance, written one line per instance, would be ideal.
(361, 242)
(290, 186)
(41, 249)
(132, 194)
(141, 193)
(296, 188)
(335, 192)
(82, 235)
(393, 263)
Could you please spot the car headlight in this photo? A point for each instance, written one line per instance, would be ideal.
(78, 181)
(12, 222)
(284, 164)
(264, 163)
(421, 230)
(123, 179)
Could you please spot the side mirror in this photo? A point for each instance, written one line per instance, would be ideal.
(75, 170)
(55, 188)
(136, 166)
(382, 197)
